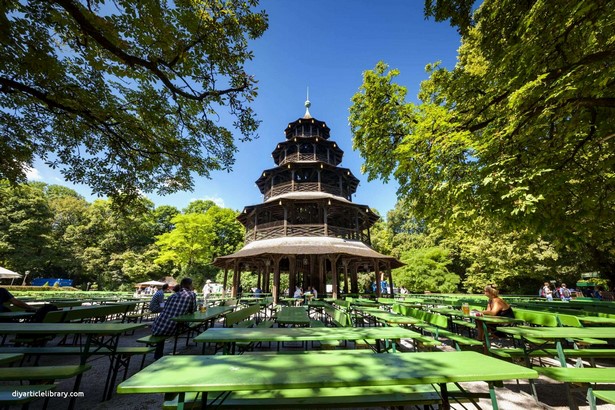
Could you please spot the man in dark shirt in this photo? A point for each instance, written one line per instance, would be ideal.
(179, 303)
(6, 296)
(157, 302)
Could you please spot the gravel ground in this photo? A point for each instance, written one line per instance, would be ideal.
(513, 396)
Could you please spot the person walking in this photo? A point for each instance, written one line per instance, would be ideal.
(547, 292)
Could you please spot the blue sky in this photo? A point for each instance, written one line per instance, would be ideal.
(324, 45)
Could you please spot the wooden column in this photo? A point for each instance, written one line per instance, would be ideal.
(225, 280)
(235, 279)
(377, 272)
(313, 278)
(354, 282)
(275, 291)
(322, 277)
(292, 274)
(267, 278)
(334, 284)
(390, 275)
(345, 264)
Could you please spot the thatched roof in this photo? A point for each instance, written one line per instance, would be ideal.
(306, 246)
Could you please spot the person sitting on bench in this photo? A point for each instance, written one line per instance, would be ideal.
(157, 302)
(495, 307)
(179, 303)
(6, 296)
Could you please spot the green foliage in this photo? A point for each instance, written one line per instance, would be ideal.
(122, 95)
(458, 11)
(198, 238)
(162, 219)
(25, 228)
(198, 206)
(520, 131)
(426, 270)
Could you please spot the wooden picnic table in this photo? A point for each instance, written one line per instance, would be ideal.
(212, 312)
(226, 373)
(564, 373)
(596, 320)
(293, 315)
(387, 317)
(231, 336)
(15, 315)
(558, 334)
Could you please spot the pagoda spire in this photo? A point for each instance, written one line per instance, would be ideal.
(307, 104)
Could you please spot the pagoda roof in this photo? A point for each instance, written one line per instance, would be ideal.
(308, 196)
(306, 246)
(265, 175)
(309, 120)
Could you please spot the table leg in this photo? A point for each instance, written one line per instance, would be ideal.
(446, 405)
(494, 400)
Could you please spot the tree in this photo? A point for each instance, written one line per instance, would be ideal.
(114, 247)
(25, 228)
(124, 96)
(521, 130)
(199, 206)
(198, 238)
(426, 270)
(162, 219)
(69, 212)
(516, 262)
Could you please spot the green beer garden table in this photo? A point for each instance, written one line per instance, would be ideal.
(226, 373)
(230, 336)
(293, 315)
(388, 317)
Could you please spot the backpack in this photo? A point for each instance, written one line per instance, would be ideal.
(541, 292)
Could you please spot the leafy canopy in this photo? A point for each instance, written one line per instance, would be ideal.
(521, 130)
(124, 96)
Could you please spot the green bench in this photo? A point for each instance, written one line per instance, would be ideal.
(157, 341)
(516, 352)
(245, 346)
(576, 375)
(245, 317)
(327, 397)
(437, 325)
(337, 318)
(604, 395)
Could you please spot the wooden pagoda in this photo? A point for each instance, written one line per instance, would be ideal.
(307, 226)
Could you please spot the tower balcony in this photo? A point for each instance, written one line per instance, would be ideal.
(311, 157)
(288, 187)
(278, 230)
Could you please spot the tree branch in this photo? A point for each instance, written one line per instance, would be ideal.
(74, 10)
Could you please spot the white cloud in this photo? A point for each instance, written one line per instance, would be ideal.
(217, 200)
(33, 175)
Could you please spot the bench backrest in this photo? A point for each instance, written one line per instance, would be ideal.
(96, 313)
(428, 317)
(237, 316)
(568, 320)
(537, 318)
(339, 318)
(343, 303)
(230, 302)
